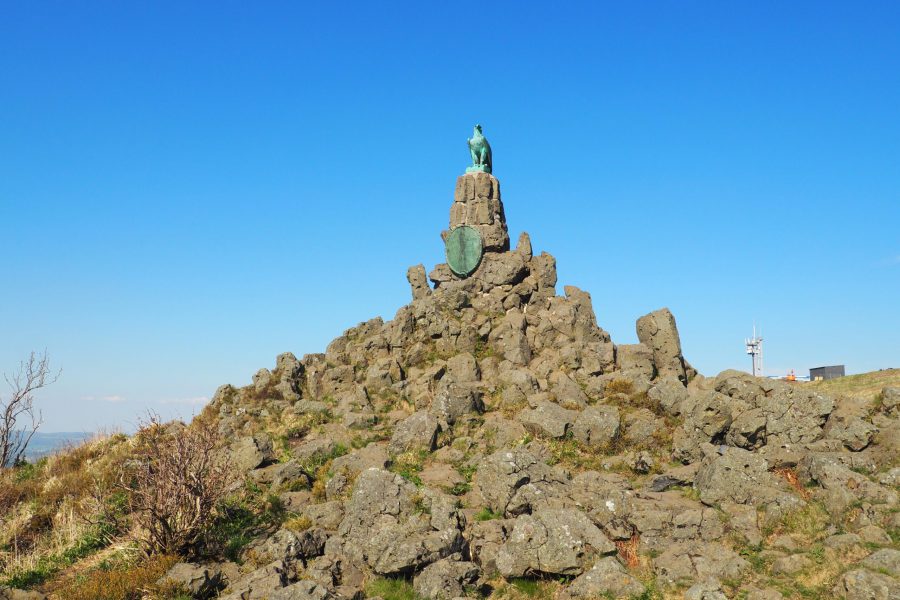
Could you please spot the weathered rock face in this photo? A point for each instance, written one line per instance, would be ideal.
(392, 528)
(493, 429)
(657, 331)
(558, 542)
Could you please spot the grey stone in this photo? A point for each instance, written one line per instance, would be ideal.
(547, 418)
(418, 431)
(201, 581)
(418, 282)
(445, 579)
(561, 542)
(452, 401)
(635, 360)
(395, 528)
(302, 590)
(736, 476)
(886, 559)
(705, 590)
(861, 584)
(687, 562)
(890, 399)
(259, 584)
(597, 426)
(658, 332)
(607, 578)
(508, 480)
(669, 392)
(251, 452)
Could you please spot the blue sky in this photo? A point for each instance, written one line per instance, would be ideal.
(188, 189)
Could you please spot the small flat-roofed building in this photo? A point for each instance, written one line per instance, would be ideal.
(820, 373)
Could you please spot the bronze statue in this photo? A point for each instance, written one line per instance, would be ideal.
(481, 152)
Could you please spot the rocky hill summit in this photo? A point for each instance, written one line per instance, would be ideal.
(492, 433)
(492, 440)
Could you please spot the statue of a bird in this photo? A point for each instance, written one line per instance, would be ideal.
(481, 151)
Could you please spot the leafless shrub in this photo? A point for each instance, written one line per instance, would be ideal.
(175, 484)
(18, 418)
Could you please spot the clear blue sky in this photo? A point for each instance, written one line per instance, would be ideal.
(188, 189)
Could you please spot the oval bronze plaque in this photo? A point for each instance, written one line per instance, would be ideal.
(464, 250)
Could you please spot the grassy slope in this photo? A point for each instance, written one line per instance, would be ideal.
(864, 385)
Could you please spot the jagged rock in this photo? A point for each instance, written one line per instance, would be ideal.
(737, 476)
(259, 584)
(658, 332)
(705, 590)
(444, 579)
(861, 584)
(327, 515)
(201, 581)
(281, 474)
(510, 340)
(568, 393)
(640, 427)
(302, 590)
(597, 426)
(793, 414)
(418, 431)
(547, 418)
(885, 560)
(418, 282)
(635, 360)
(607, 578)
(286, 545)
(670, 394)
(828, 472)
(251, 452)
(890, 399)
(394, 528)
(685, 562)
(561, 542)
(508, 480)
(452, 401)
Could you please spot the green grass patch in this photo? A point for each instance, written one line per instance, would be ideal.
(391, 588)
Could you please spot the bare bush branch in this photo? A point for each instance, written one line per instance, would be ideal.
(19, 420)
(176, 483)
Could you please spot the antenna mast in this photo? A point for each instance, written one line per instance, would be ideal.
(755, 350)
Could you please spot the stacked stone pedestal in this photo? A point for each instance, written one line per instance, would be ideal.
(477, 203)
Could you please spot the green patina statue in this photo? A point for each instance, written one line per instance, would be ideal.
(481, 152)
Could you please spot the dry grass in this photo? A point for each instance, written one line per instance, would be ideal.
(865, 385)
(128, 582)
(790, 476)
(628, 551)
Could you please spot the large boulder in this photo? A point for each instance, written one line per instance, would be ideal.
(445, 579)
(418, 431)
(658, 332)
(548, 418)
(251, 452)
(606, 579)
(862, 584)
(201, 581)
(508, 481)
(552, 541)
(393, 527)
(597, 426)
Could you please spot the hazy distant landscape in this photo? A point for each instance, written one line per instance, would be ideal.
(45, 443)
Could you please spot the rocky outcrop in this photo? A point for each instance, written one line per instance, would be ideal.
(492, 429)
